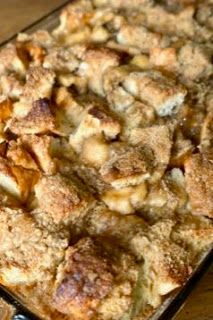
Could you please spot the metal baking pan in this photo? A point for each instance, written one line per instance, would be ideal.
(175, 300)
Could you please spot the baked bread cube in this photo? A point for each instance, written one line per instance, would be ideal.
(199, 183)
(29, 254)
(139, 37)
(127, 166)
(101, 288)
(192, 61)
(19, 156)
(157, 141)
(180, 23)
(11, 86)
(17, 180)
(10, 61)
(96, 121)
(95, 63)
(66, 200)
(41, 149)
(39, 84)
(167, 97)
(38, 120)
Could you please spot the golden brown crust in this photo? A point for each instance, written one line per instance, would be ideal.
(199, 183)
(157, 140)
(39, 83)
(24, 258)
(181, 23)
(39, 119)
(99, 288)
(20, 157)
(138, 36)
(156, 90)
(11, 86)
(17, 180)
(40, 148)
(81, 285)
(95, 121)
(126, 166)
(64, 200)
(95, 64)
(10, 60)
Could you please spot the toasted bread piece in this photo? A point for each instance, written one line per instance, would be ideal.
(74, 16)
(60, 60)
(39, 84)
(139, 36)
(95, 151)
(39, 119)
(126, 166)
(101, 288)
(192, 61)
(24, 254)
(157, 140)
(195, 234)
(11, 86)
(97, 120)
(100, 221)
(41, 38)
(181, 23)
(64, 201)
(40, 148)
(17, 180)
(95, 64)
(168, 97)
(195, 61)
(199, 183)
(169, 261)
(20, 157)
(11, 61)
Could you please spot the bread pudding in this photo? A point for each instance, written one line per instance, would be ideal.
(106, 158)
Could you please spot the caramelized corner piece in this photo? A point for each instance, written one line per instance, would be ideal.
(95, 280)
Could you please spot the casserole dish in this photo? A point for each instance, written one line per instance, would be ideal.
(125, 167)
